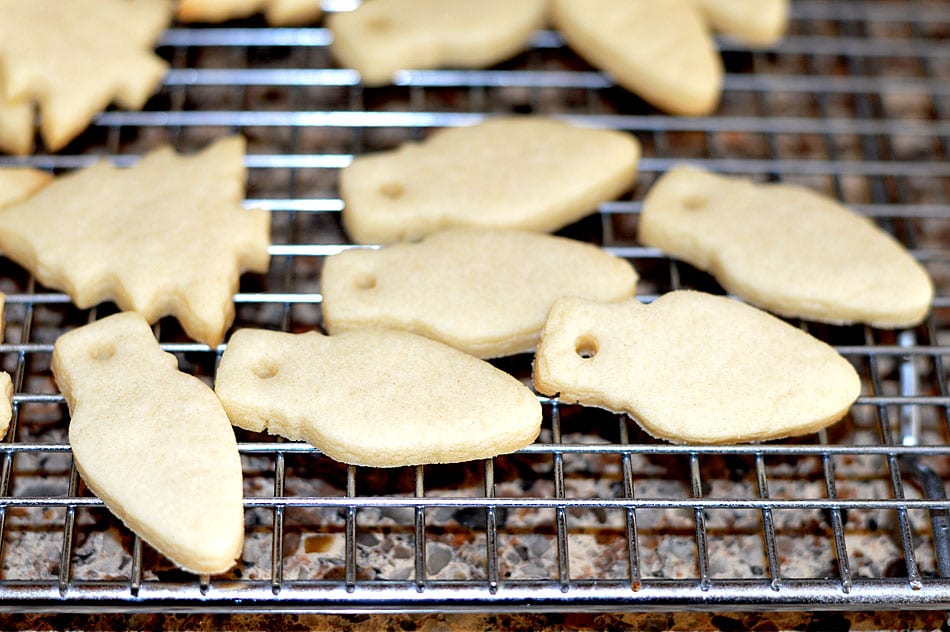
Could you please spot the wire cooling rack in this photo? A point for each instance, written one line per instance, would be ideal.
(595, 515)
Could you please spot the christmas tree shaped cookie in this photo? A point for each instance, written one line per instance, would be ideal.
(73, 59)
(167, 236)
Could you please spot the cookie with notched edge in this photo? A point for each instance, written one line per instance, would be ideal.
(168, 235)
(481, 290)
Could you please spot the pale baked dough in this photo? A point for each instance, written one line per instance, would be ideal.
(167, 236)
(154, 444)
(19, 183)
(752, 22)
(6, 383)
(277, 12)
(383, 36)
(787, 249)
(6, 403)
(661, 50)
(694, 368)
(375, 397)
(483, 291)
(530, 173)
(74, 57)
(16, 127)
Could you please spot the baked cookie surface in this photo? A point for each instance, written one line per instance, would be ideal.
(752, 22)
(787, 249)
(530, 173)
(6, 383)
(381, 37)
(19, 183)
(154, 444)
(74, 58)
(277, 12)
(483, 291)
(661, 51)
(166, 236)
(375, 397)
(16, 127)
(694, 368)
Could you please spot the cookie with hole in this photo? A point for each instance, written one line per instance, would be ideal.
(758, 23)
(661, 51)
(167, 236)
(528, 173)
(153, 443)
(375, 397)
(276, 12)
(786, 248)
(381, 37)
(694, 368)
(484, 291)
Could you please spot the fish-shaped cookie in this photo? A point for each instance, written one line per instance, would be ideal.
(484, 291)
(375, 397)
(528, 172)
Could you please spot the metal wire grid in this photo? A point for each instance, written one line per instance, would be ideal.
(596, 514)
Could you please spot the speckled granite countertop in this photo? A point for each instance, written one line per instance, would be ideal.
(725, 622)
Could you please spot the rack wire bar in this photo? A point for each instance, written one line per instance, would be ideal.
(596, 514)
(653, 595)
(633, 555)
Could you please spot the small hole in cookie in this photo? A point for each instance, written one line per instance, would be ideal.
(366, 281)
(103, 352)
(695, 202)
(586, 347)
(266, 369)
(392, 190)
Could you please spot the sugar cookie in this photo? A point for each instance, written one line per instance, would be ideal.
(19, 183)
(6, 403)
(786, 249)
(661, 51)
(277, 12)
(375, 397)
(16, 127)
(531, 173)
(167, 236)
(6, 383)
(383, 36)
(484, 291)
(74, 58)
(694, 368)
(752, 22)
(153, 443)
